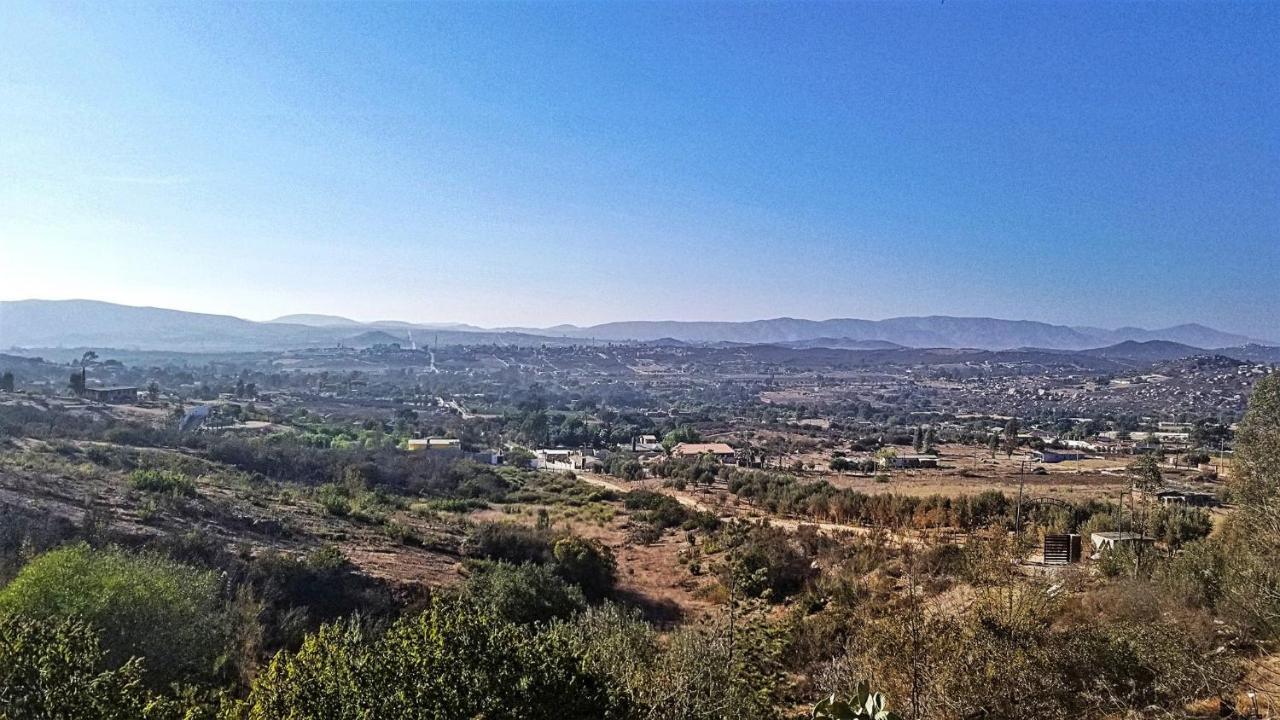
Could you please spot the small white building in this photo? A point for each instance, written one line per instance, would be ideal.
(1111, 540)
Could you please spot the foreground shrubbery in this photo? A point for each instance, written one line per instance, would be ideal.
(144, 605)
(453, 661)
(58, 669)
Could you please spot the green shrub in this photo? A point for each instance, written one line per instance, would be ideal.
(523, 593)
(663, 511)
(587, 564)
(456, 660)
(144, 606)
(297, 595)
(455, 505)
(335, 500)
(165, 482)
(764, 562)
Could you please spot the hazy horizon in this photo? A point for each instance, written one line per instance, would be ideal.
(552, 325)
(521, 165)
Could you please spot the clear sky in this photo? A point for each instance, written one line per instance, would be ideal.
(507, 164)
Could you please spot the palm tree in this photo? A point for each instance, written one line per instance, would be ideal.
(85, 361)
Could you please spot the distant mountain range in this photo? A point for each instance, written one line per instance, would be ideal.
(89, 323)
(931, 331)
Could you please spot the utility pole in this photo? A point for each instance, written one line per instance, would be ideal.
(1017, 513)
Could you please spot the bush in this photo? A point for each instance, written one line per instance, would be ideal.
(144, 606)
(335, 500)
(663, 511)
(508, 542)
(1178, 525)
(764, 561)
(165, 482)
(587, 564)
(702, 672)
(457, 660)
(523, 593)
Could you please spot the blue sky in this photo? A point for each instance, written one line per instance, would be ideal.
(533, 164)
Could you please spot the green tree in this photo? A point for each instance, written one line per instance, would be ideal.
(1252, 536)
(1145, 472)
(535, 428)
(6, 382)
(1010, 437)
(519, 457)
(144, 605)
(682, 434)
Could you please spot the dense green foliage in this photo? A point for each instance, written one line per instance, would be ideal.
(143, 605)
(57, 669)
(525, 593)
(1251, 541)
(456, 660)
(586, 563)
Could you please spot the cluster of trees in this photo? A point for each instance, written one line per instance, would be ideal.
(701, 469)
(625, 466)
(840, 464)
(286, 456)
(662, 512)
(538, 427)
(784, 494)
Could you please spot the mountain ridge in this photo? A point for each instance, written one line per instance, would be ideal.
(61, 323)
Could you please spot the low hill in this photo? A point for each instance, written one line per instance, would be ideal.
(315, 320)
(1149, 351)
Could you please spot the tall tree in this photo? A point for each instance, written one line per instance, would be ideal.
(1010, 437)
(1253, 531)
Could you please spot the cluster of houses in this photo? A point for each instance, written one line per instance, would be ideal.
(647, 448)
